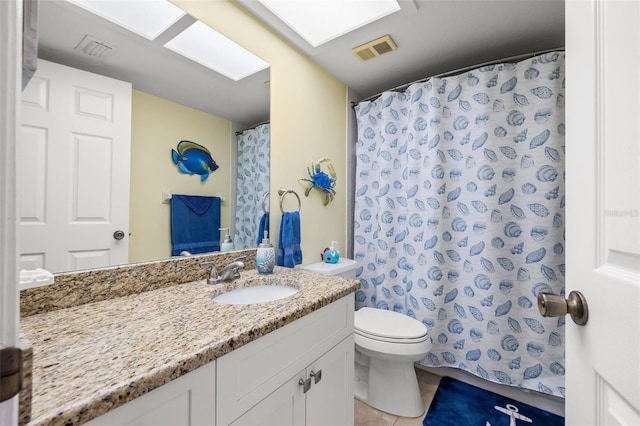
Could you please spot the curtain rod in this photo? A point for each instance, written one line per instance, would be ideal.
(253, 127)
(462, 70)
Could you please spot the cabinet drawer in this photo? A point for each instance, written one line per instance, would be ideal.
(249, 374)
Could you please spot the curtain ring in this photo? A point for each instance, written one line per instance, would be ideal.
(282, 192)
(264, 198)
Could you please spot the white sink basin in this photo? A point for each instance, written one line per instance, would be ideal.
(255, 292)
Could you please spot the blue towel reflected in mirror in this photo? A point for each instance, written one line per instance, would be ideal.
(263, 226)
(195, 223)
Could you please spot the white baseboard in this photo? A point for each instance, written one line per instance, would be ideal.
(552, 404)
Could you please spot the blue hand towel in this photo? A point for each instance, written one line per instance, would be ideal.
(198, 204)
(263, 226)
(289, 252)
(195, 223)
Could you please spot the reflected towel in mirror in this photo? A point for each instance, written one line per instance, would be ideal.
(195, 223)
(263, 226)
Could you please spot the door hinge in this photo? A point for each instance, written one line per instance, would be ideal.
(10, 373)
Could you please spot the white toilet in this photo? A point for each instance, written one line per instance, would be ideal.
(386, 346)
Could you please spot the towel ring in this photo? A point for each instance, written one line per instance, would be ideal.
(264, 198)
(283, 192)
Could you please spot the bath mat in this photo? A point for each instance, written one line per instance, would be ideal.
(459, 404)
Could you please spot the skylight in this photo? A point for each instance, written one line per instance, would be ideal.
(204, 45)
(321, 21)
(144, 17)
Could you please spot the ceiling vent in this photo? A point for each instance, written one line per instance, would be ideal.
(375, 48)
(91, 46)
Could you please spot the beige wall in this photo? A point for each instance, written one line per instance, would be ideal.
(157, 125)
(308, 121)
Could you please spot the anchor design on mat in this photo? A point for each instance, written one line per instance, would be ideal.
(512, 412)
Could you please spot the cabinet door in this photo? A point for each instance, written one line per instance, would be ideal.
(330, 400)
(185, 401)
(283, 407)
(251, 373)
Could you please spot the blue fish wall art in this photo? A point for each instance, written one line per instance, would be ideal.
(192, 158)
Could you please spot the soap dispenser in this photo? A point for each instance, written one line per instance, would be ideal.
(331, 255)
(227, 244)
(265, 256)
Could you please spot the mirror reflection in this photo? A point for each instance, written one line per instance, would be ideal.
(171, 99)
(252, 186)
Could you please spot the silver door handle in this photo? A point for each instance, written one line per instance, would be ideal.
(118, 235)
(552, 305)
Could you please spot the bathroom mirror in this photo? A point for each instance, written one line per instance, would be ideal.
(159, 73)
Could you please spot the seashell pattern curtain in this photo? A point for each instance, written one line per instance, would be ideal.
(252, 182)
(459, 217)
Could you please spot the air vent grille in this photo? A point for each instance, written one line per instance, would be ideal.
(375, 48)
(91, 46)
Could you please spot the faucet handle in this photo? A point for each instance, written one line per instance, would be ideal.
(239, 260)
(213, 275)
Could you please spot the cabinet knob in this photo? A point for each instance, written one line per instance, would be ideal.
(306, 384)
(317, 376)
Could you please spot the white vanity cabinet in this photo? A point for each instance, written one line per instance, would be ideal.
(263, 382)
(187, 400)
(328, 402)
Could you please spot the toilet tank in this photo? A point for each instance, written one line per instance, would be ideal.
(344, 268)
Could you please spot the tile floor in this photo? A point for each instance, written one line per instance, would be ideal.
(368, 416)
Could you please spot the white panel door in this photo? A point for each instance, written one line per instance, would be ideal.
(74, 170)
(10, 55)
(603, 210)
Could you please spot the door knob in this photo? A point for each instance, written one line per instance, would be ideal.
(552, 305)
(118, 235)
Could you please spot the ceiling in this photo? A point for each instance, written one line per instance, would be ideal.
(148, 65)
(433, 36)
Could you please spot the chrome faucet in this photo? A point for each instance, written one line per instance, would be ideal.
(229, 272)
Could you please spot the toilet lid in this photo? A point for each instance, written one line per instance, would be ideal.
(388, 324)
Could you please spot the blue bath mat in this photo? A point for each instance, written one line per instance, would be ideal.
(459, 404)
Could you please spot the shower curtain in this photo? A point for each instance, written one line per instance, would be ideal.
(459, 216)
(252, 182)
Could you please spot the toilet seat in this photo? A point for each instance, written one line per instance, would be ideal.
(391, 339)
(388, 326)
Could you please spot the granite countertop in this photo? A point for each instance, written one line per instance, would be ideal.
(91, 358)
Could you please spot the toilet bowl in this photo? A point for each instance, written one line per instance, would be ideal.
(386, 346)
